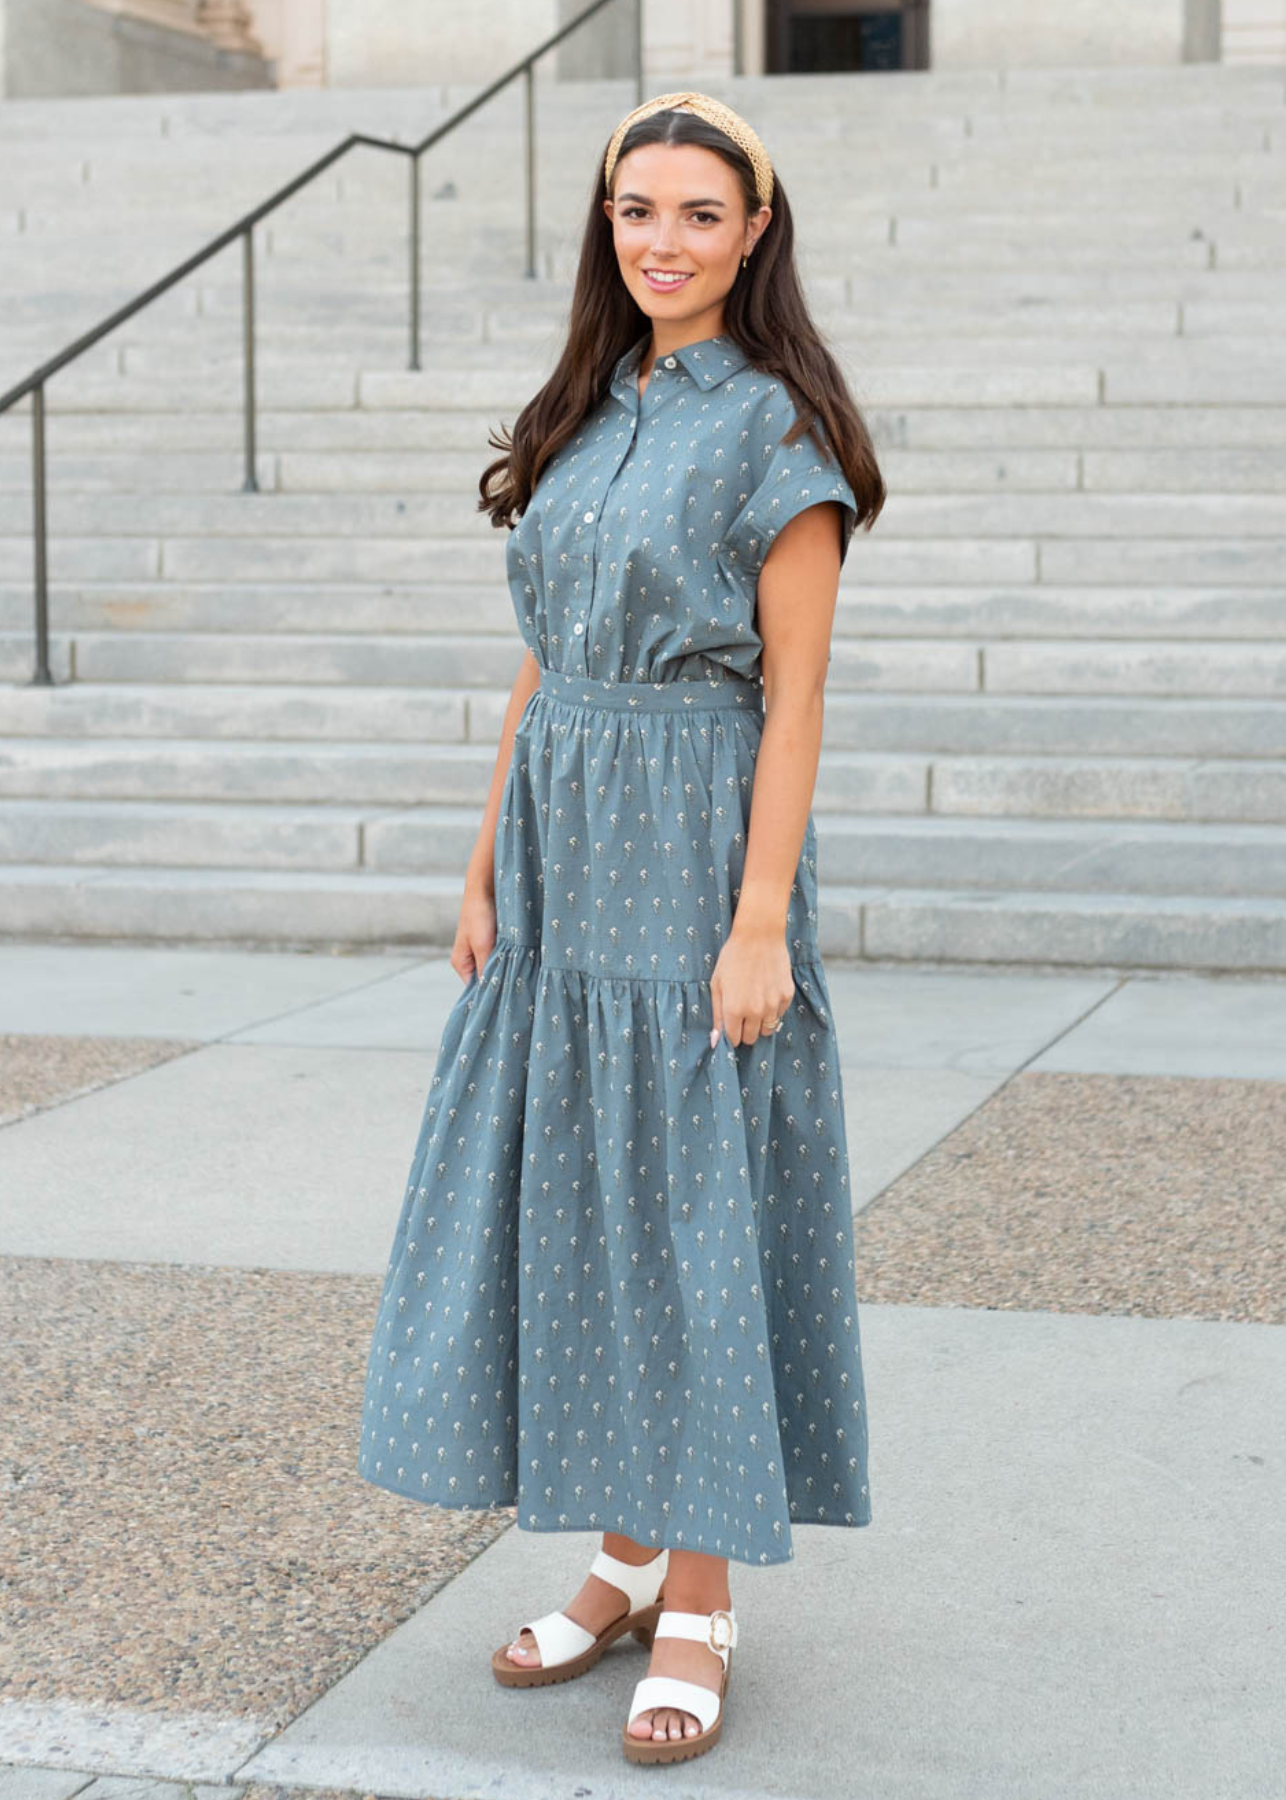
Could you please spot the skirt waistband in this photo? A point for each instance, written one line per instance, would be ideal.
(728, 691)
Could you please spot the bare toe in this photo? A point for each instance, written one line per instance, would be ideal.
(523, 1651)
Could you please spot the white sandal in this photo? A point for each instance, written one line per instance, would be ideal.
(718, 1630)
(568, 1649)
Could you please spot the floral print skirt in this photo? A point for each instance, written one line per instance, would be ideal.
(620, 1295)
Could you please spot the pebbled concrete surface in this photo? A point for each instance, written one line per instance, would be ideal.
(1094, 1193)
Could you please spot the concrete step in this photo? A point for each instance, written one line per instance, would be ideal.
(1096, 787)
(311, 327)
(1033, 855)
(1090, 930)
(1013, 855)
(340, 909)
(214, 834)
(902, 562)
(431, 517)
(499, 371)
(1021, 855)
(268, 712)
(1253, 670)
(993, 614)
(483, 241)
(1132, 474)
(1098, 433)
(523, 353)
(444, 770)
(447, 768)
(917, 724)
(1056, 706)
(503, 306)
(1173, 373)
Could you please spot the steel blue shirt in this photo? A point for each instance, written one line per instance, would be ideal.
(638, 556)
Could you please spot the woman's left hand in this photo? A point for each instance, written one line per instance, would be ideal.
(751, 985)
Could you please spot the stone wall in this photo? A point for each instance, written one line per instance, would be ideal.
(71, 47)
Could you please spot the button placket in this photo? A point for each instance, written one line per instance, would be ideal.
(588, 517)
(594, 516)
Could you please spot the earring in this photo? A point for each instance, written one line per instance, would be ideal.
(744, 261)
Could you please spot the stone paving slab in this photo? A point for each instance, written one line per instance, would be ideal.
(893, 1117)
(287, 1143)
(27, 1783)
(280, 1156)
(975, 1023)
(140, 1744)
(31, 1783)
(129, 990)
(1180, 1027)
(1070, 1590)
(247, 1156)
(1094, 1193)
(403, 1010)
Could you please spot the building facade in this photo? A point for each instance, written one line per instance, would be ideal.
(111, 46)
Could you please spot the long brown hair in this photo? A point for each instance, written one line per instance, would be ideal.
(765, 314)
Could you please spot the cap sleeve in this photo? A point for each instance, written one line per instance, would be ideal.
(793, 478)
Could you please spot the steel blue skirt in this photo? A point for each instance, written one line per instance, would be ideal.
(620, 1294)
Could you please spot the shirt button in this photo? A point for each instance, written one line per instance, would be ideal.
(578, 628)
(587, 517)
(669, 362)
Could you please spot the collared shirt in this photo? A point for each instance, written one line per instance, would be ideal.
(638, 556)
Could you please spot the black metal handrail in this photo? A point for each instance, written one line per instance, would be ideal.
(34, 384)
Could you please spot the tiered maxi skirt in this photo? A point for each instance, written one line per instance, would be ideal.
(620, 1295)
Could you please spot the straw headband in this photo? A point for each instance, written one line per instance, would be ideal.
(714, 112)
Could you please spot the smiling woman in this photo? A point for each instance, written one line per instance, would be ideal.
(622, 1291)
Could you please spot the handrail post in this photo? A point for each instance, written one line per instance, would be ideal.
(250, 484)
(415, 260)
(42, 675)
(529, 86)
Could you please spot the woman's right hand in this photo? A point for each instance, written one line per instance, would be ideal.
(475, 935)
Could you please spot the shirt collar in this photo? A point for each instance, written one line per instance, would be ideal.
(709, 361)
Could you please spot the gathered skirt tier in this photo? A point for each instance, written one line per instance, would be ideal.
(621, 1294)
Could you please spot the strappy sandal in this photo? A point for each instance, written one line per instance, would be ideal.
(718, 1630)
(568, 1649)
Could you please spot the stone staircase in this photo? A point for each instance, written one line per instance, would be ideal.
(1056, 709)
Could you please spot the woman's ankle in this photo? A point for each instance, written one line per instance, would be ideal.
(626, 1550)
(697, 1600)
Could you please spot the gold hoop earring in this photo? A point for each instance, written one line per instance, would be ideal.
(744, 261)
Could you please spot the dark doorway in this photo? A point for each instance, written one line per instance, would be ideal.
(807, 37)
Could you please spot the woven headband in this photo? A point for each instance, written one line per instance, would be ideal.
(714, 112)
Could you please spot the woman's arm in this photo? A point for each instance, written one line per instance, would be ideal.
(481, 873)
(476, 932)
(797, 592)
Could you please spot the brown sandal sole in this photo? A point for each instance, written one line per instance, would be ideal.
(640, 1625)
(666, 1750)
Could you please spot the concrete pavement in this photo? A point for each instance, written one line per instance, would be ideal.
(1072, 1579)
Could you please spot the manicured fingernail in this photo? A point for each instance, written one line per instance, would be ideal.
(714, 1037)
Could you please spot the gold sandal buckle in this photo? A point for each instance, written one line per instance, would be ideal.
(719, 1637)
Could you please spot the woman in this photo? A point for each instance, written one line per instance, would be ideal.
(620, 1295)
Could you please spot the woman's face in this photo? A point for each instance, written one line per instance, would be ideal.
(677, 211)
